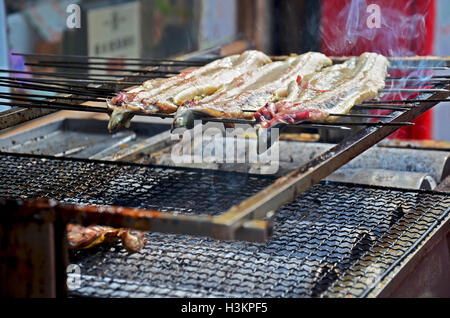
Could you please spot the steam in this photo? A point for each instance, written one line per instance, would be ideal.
(347, 33)
(401, 31)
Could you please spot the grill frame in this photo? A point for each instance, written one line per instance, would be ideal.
(252, 213)
(139, 219)
(163, 247)
(252, 219)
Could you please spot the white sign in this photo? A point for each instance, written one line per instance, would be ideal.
(115, 31)
(217, 22)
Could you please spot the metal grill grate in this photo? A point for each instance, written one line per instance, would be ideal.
(184, 191)
(333, 240)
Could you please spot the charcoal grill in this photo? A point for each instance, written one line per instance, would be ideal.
(309, 238)
(334, 240)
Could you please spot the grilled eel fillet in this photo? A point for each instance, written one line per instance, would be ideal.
(165, 95)
(333, 90)
(80, 237)
(253, 89)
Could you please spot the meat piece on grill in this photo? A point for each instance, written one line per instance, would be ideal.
(165, 95)
(80, 237)
(333, 90)
(253, 89)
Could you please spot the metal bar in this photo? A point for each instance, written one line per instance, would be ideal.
(412, 90)
(418, 80)
(54, 89)
(144, 220)
(387, 107)
(17, 115)
(61, 85)
(78, 75)
(55, 80)
(423, 77)
(64, 106)
(58, 107)
(419, 67)
(342, 115)
(103, 58)
(437, 100)
(286, 188)
(368, 124)
(105, 69)
(414, 59)
(62, 63)
(87, 99)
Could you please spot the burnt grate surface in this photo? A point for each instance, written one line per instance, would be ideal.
(333, 241)
(76, 181)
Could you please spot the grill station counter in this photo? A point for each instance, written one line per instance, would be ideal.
(220, 229)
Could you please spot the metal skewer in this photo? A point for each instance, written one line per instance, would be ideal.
(86, 99)
(109, 69)
(404, 101)
(419, 67)
(417, 77)
(35, 55)
(53, 89)
(81, 75)
(64, 106)
(413, 90)
(58, 80)
(340, 115)
(59, 85)
(164, 64)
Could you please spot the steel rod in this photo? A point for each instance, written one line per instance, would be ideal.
(50, 103)
(340, 115)
(419, 80)
(64, 106)
(419, 67)
(107, 58)
(78, 75)
(405, 101)
(110, 69)
(55, 80)
(417, 77)
(163, 64)
(55, 90)
(385, 107)
(92, 109)
(413, 90)
(60, 85)
(86, 99)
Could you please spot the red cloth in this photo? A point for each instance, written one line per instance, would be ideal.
(406, 29)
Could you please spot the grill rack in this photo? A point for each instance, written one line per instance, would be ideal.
(334, 240)
(253, 213)
(94, 90)
(249, 220)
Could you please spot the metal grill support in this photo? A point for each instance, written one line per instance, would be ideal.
(331, 241)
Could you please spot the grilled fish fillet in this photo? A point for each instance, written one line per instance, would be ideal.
(165, 95)
(333, 90)
(253, 89)
(80, 237)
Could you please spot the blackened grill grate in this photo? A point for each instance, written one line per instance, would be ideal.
(332, 241)
(183, 191)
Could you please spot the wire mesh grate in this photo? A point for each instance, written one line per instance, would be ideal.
(333, 241)
(183, 191)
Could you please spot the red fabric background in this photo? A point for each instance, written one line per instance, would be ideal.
(406, 29)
